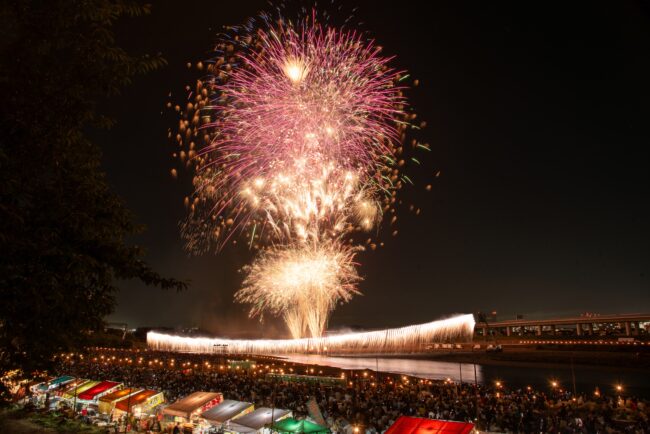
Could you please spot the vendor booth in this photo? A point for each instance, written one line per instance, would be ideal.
(52, 385)
(36, 387)
(294, 426)
(107, 402)
(257, 421)
(419, 425)
(139, 403)
(190, 407)
(74, 391)
(226, 411)
(92, 395)
(67, 388)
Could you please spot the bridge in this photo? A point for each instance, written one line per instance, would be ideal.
(636, 324)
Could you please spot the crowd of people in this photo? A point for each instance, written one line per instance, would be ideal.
(363, 399)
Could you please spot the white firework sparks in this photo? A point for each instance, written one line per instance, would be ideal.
(301, 284)
(456, 329)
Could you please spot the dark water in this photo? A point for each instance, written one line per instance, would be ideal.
(634, 382)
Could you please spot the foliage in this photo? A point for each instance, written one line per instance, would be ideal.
(62, 230)
(27, 421)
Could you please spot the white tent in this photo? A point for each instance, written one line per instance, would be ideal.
(226, 411)
(257, 420)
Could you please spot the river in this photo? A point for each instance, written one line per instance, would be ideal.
(634, 382)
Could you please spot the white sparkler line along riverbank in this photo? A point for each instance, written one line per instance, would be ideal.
(455, 329)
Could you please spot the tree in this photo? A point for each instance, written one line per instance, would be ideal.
(62, 230)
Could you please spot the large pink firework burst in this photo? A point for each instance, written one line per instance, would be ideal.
(316, 92)
(290, 99)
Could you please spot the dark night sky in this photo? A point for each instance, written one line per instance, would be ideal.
(538, 120)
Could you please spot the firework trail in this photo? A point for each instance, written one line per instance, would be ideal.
(299, 129)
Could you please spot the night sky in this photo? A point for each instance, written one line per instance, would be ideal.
(539, 125)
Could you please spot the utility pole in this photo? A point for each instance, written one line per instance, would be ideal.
(74, 402)
(128, 412)
(128, 400)
(475, 380)
(275, 385)
(377, 369)
(573, 376)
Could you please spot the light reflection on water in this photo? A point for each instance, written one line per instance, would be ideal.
(429, 369)
(635, 381)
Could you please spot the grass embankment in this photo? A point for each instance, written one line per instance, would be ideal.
(28, 421)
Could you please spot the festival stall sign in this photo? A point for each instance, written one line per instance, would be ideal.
(107, 402)
(192, 405)
(75, 391)
(139, 403)
(255, 421)
(226, 411)
(97, 391)
(295, 426)
(419, 425)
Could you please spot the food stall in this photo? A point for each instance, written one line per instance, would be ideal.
(414, 425)
(138, 404)
(92, 395)
(223, 413)
(290, 425)
(73, 392)
(66, 388)
(257, 421)
(187, 410)
(36, 387)
(107, 402)
(52, 385)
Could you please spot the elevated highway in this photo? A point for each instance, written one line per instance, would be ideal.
(635, 324)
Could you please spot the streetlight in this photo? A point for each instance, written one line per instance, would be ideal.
(128, 413)
(619, 388)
